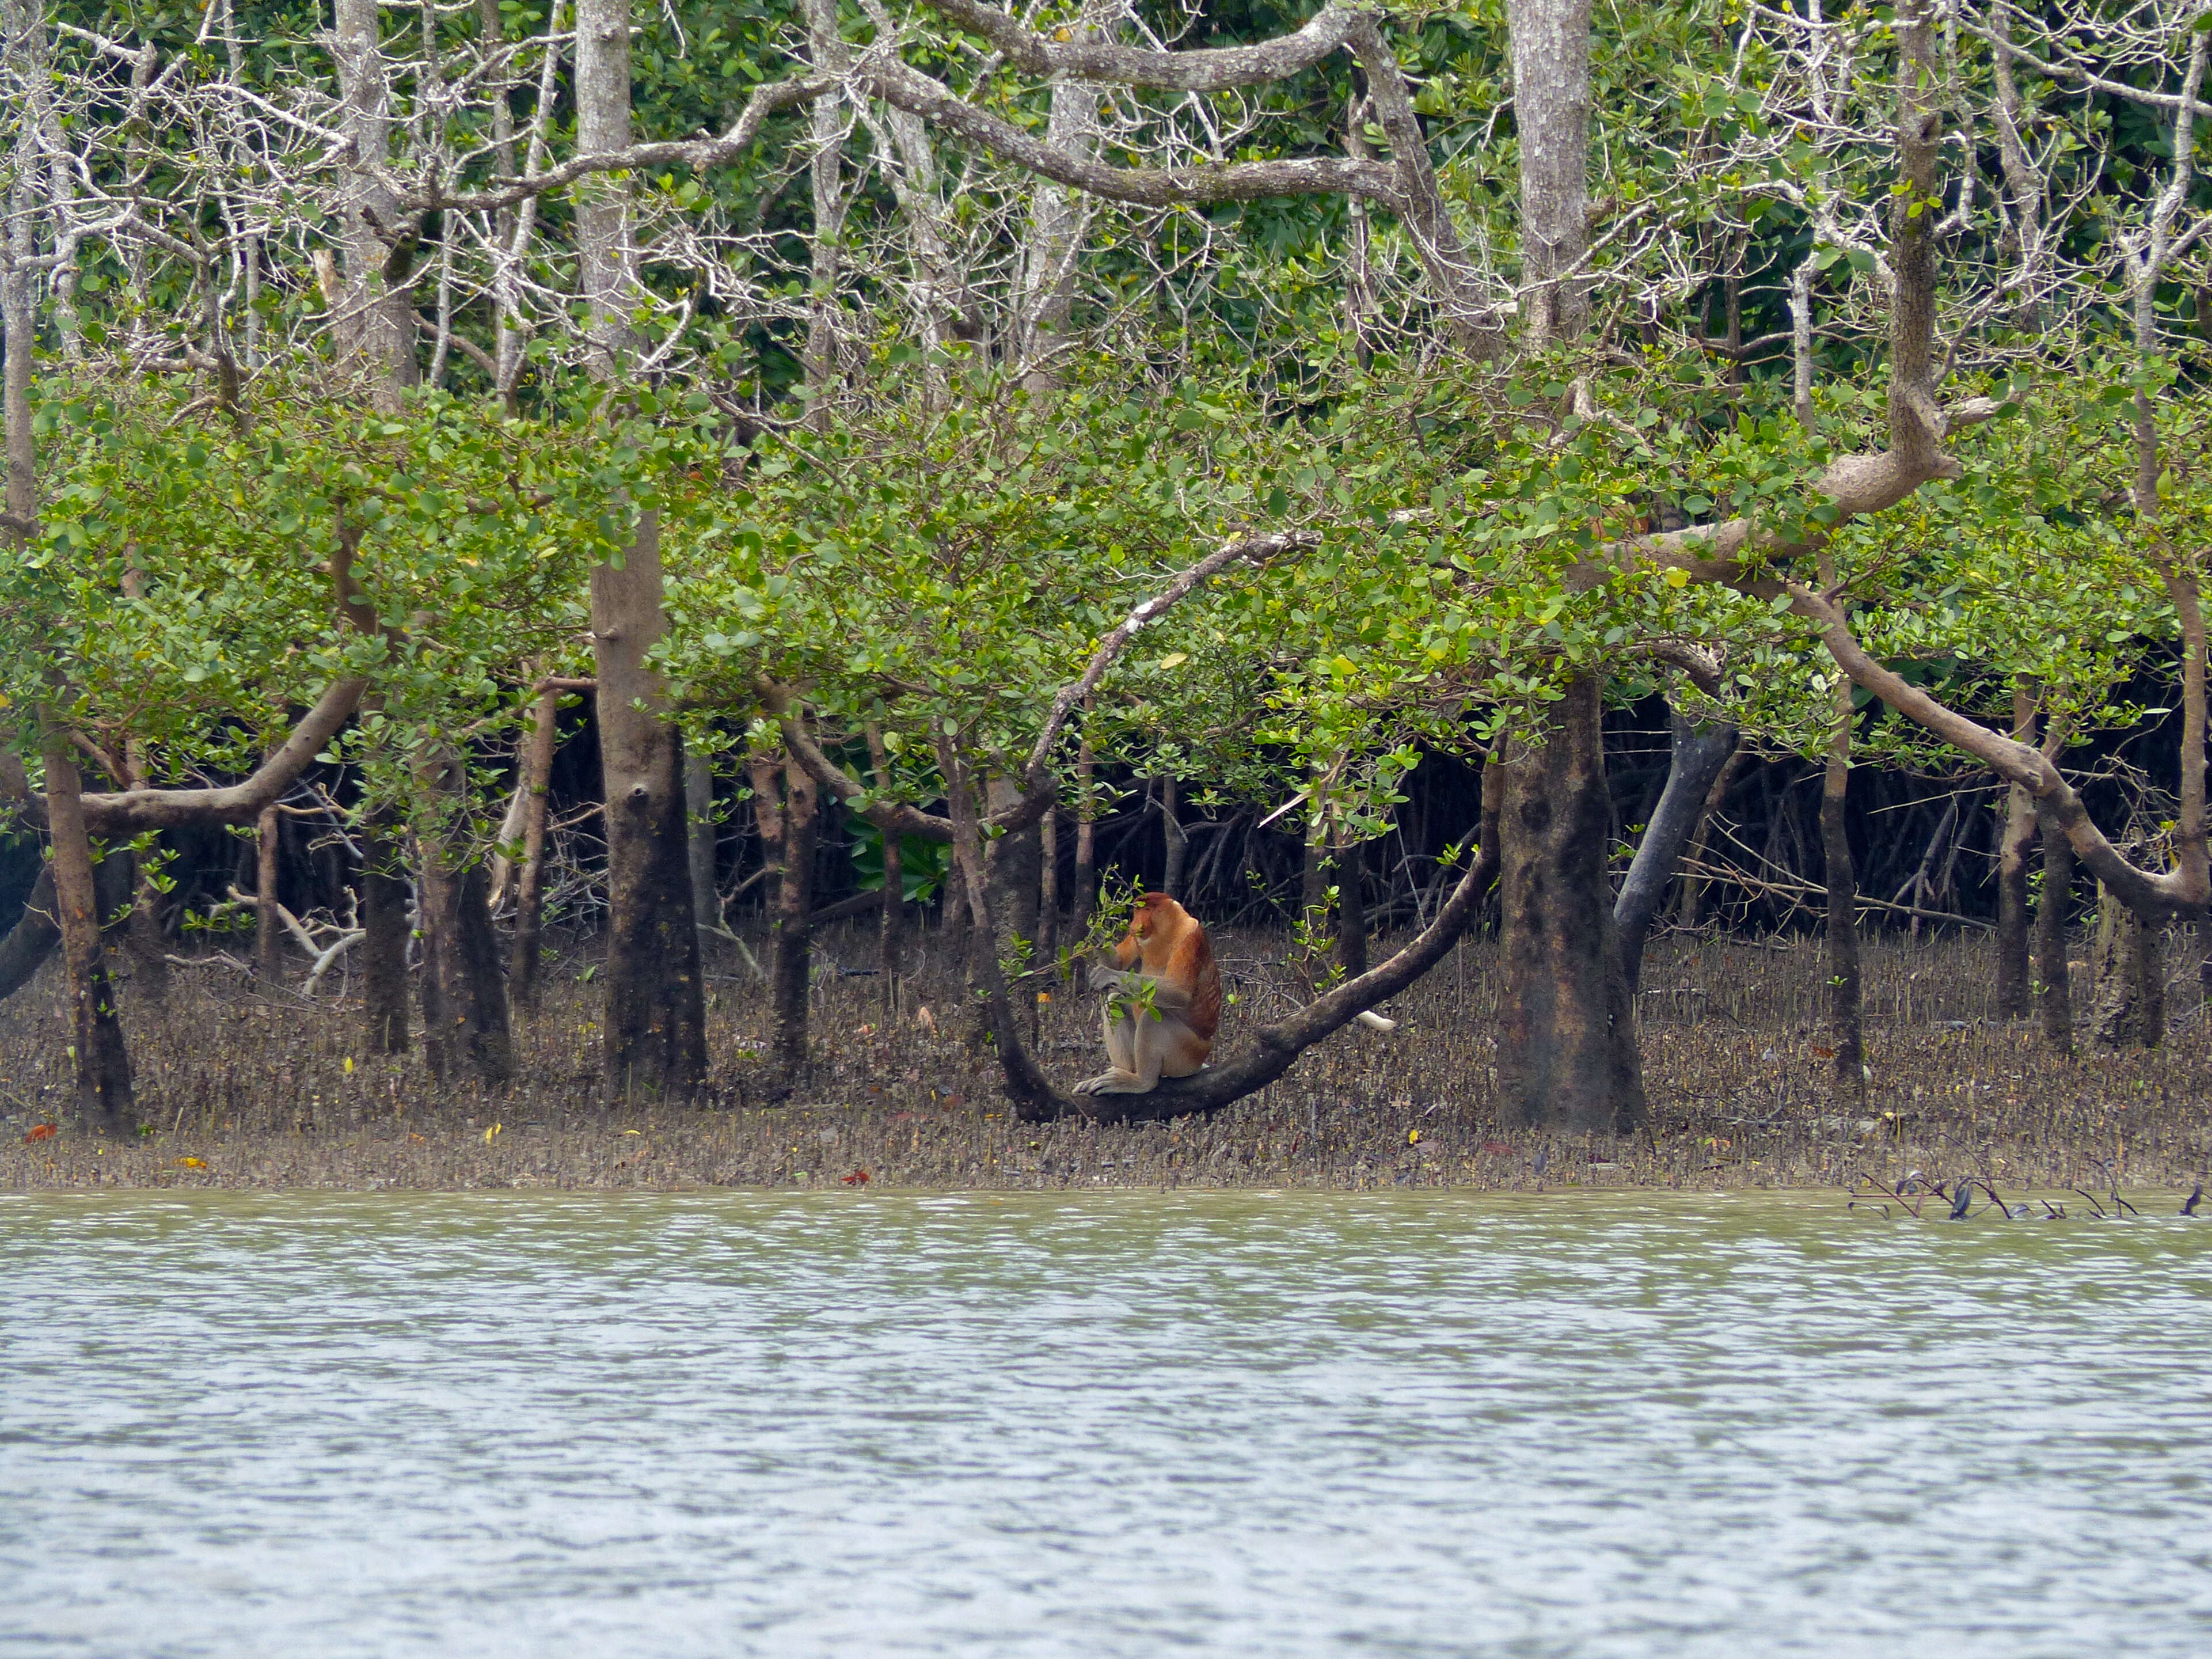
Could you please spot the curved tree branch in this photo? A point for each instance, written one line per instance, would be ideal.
(130, 811)
(1275, 1049)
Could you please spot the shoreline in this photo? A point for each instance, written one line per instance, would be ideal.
(252, 1092)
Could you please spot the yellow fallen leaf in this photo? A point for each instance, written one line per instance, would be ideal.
(192, 1163)
(348, 1065)
(492, 1134)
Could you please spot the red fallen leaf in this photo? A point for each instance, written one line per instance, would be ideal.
(1499, 1148)
(1825, 1054)
(858, 1178)
(42, 1131)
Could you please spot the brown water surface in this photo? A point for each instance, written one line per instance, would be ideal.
(1103, 1425)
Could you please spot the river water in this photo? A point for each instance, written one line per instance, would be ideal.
(1104, 1424)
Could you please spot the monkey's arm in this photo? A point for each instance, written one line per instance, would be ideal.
(1166, 994)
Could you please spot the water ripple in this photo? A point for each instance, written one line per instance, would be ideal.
(1103, 1425)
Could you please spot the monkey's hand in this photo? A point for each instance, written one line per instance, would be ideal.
(1103, 978)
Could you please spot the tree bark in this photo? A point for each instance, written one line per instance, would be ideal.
(381, 906)
(1172, 834)
(892, 911)
(1550, 43)
(1012, 864)
(38, 930)
(523, 978)
(1691, 911)
(1568, 1061)
(465, 1029)
(103, 1095)
(1846, 996)
(790, 963)
(1086, 847)
(1313, 875)
(465, 1025)
(2130, 962)
(1351, 905)
(699, 813)
(2052, 987)
(1696, 760)
(267, 929)
(2015, 996)
(655, 1020)
(375, 319)
(1047, 940)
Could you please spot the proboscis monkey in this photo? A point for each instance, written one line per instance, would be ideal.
(1165, 1003)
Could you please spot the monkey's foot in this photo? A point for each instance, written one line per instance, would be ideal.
(1114, 1083)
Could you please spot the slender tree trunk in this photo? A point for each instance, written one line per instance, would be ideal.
(149, 961)
(889, 918)
(2016, 999)
(1568, 1061)
(1313, 875)
(790, 963)
(380, 905)
(103, 1095)
(530, 879)
(655, 1022)
(268, 927)
(1012, 864)
(1551, 45)
(2052, 979)
(1351, 905)
(1047, 940)
(466, 1030)
(1846, 998)
(375, 311)
(1086, 849)
(699, 810)
(1177, 843)
(1696, 758)
(1691, 911)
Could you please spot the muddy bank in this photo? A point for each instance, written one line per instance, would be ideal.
(240, 1089)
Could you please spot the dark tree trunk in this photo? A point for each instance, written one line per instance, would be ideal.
(1695, 760)
(790, 961)
(38, 930)
(656, 1014)
(1313, 877)
(149, 960)
(530, 879)
(1846, 997)
(2016, 995)
(1013, 863)
(699, 813)
(1690, 912)
(1087, 852)
(1567, 1053)
(2052, 984)
(381, 906)
(103, 1095)
(2130, 967)
(1351, 906)
(465, 1031)
(1171, 833)
(268, 926)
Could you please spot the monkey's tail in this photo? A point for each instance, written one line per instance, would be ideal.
(1375, 1021)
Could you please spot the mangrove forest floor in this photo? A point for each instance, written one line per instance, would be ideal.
(241, 1088)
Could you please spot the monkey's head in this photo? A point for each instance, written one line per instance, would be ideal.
(1153, 910)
